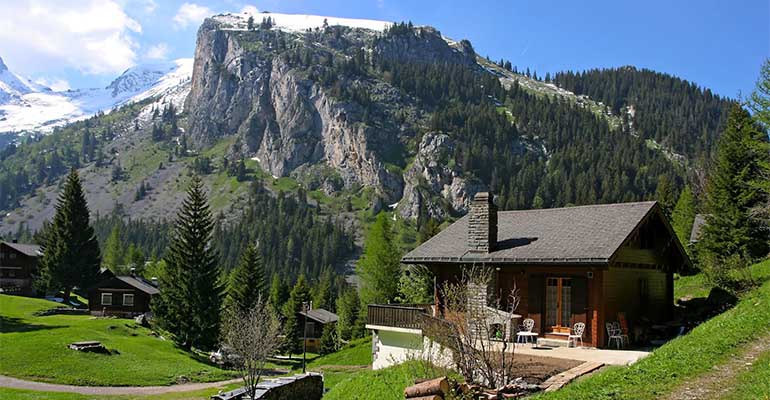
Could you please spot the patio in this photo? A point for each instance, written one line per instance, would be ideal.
(587, 354)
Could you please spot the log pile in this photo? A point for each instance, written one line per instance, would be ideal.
(440, 389)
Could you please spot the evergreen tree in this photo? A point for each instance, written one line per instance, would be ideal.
(135, 258)
(250, 23)
(684, 215)
(113, 251)
(324, 294)
(664, 193)
(760, 97)
(71, 256)
(731, 195)
(278, 295)
(379, 266)
(348, 310)
(292, 329)
(328, 340)
(189, 302)
(247, 282)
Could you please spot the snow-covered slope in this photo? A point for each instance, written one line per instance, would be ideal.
(298, 22)
(38, 109)
(12, 86)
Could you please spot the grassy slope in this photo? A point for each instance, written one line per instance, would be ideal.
(17, 394)
(35, 348)
(709, 344)
(754, 384)
(387, 383)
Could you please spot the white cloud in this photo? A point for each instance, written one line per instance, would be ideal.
(249, 10)
(92, 36)
(55, 84)
(150, 6)
(157, 52)
(190, 13)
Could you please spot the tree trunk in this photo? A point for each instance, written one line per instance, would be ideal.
(66, 296)
(438, 386)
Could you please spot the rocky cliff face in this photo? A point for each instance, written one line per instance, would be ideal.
(264, 86)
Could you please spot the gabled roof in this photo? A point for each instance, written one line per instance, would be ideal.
(321, 315)
(31, 250)
(571, 235)
(139, 284)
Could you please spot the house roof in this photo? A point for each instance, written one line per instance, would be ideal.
(697, 227)
(321, 315)
(139, 284)
(31, 250)
(575, 235)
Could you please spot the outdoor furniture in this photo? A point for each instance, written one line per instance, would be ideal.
(613, 334)
(623, 334)
(576, 334)
(525, 334)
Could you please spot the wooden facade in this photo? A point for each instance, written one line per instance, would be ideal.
(120, 296)
(637, 282)
(18, 264)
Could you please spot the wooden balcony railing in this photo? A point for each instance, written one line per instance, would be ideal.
(398, 316)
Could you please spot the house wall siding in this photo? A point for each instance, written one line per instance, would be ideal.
(636, 292)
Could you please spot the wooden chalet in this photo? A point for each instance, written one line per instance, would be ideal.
(314, 321)
(590, 264)
(18, 263)
(123, 296)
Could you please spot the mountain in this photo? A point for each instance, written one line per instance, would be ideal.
(29, 107)
(359, 116)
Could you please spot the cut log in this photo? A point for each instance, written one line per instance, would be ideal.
(438, 386)
(431, 397)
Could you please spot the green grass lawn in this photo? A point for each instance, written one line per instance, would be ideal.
(35, 348)
(18, 394)
(711, 343)
(383, 384)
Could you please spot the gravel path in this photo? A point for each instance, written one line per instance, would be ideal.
(8, 382)
(718, 382)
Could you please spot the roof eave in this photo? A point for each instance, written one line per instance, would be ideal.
(505, 260)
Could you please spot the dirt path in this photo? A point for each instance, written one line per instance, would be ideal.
(717, 383)
(8, 382)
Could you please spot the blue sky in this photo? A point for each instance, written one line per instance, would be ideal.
(717, 44)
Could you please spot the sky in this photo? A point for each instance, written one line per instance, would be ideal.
(716, 44)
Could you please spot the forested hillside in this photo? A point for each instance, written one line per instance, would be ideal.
(675, 113)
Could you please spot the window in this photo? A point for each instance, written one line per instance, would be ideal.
(13, 255)
(106, 299)
(128, 299)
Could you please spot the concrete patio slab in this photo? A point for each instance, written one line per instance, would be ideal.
(588, 354)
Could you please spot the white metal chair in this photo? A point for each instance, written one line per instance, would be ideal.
(576, 334)
(525, 333)
(613, 334)
(623, 335)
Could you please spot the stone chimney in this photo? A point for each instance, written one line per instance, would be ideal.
(482, 223)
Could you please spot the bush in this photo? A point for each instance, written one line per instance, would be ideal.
(732, 273)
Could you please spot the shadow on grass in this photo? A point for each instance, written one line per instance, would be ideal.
(12, 324)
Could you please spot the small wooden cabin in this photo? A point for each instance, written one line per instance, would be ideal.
(314, 321)
(18, 263)
(123, 296)
(586, 264)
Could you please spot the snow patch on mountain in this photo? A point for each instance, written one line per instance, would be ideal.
(13, 87)
(39, 109)
(297, 22)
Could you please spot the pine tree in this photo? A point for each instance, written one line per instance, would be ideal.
(292, 330)
(379, 267)
(760, 97)
(278, 295)
(190, 298)
(247, 282)
(71, 256)
(113, 251)
(328, 340)
(324, 294)
(731, 195)
(664, 193)
(250, 23)
(684, 215)
(348, 310)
